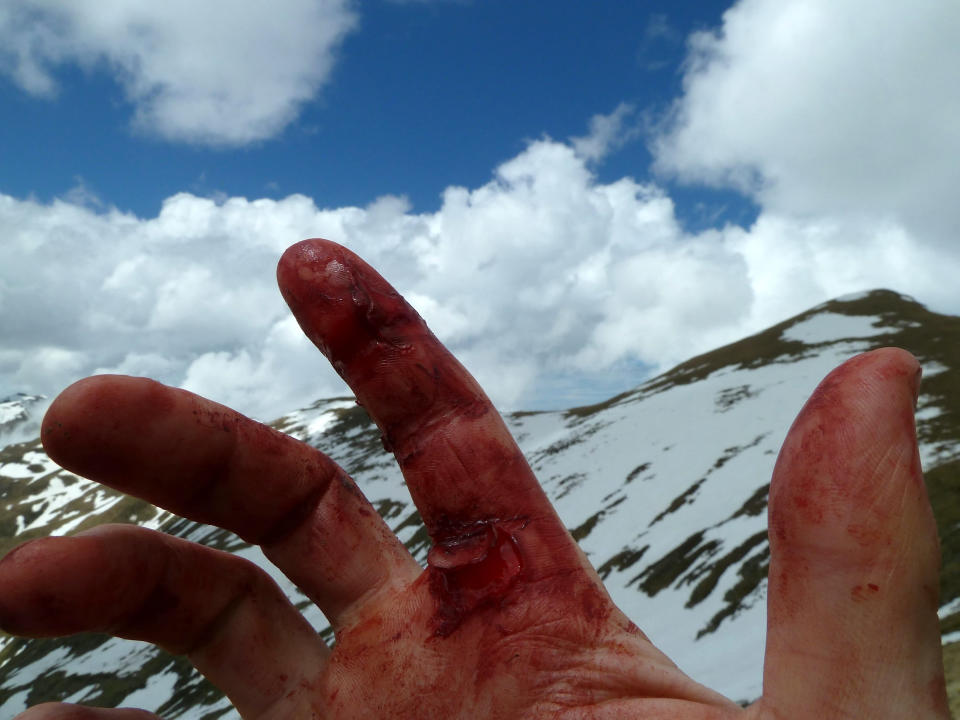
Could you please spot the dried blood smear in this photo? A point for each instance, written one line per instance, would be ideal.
(471, 569)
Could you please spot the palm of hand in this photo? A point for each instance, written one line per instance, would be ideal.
(508, 620)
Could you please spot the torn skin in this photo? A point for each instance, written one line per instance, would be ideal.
(471, 568)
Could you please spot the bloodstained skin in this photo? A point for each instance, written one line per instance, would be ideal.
(472, 569)
(379, 345)
(416, 390)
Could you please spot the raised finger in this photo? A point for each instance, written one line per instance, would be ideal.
(457, 456)
(224, 613)
(206, 462)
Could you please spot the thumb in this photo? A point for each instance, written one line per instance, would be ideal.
(854, 571)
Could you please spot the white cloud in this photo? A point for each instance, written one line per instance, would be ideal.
(543, 281)
(837, 117)
(199, 72)
(86, 292)
(826, 107)
(790, 262)
(607, 133)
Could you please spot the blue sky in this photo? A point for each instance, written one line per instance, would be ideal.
(574, 199)
(423, 95)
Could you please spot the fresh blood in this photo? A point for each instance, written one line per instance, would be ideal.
(472, 569)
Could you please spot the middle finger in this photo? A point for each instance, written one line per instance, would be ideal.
(463, 468)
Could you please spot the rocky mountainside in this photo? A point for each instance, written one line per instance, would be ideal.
(664, 486)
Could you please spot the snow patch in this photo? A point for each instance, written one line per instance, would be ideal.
(160, 688)
(949, 609)
(933, 368)
(927, 411)
(15, 704)
(10, 411)
(854, 296)
(15, 470)
(829, 327)
(319, 425)
(50, 505)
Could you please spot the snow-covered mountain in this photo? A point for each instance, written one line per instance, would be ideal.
(20, 417)
(664, 486)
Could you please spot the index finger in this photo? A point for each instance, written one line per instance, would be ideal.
(455, 452)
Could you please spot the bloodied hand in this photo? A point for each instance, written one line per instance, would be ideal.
(508, 621)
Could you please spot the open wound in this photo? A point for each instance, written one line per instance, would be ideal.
(472, 568)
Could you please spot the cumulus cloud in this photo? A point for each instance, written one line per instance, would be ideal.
(199, 72)
(543, 281)
(819, 107)
(836, 117)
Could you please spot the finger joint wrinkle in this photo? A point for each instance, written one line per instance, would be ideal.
(208, 632)
(300, 511)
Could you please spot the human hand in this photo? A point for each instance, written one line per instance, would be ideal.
(508, 621)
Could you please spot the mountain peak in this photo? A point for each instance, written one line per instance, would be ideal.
(867, 318)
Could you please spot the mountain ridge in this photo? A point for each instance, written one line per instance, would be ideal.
(664, 486)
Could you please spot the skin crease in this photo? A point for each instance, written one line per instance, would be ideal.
(508, 620)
